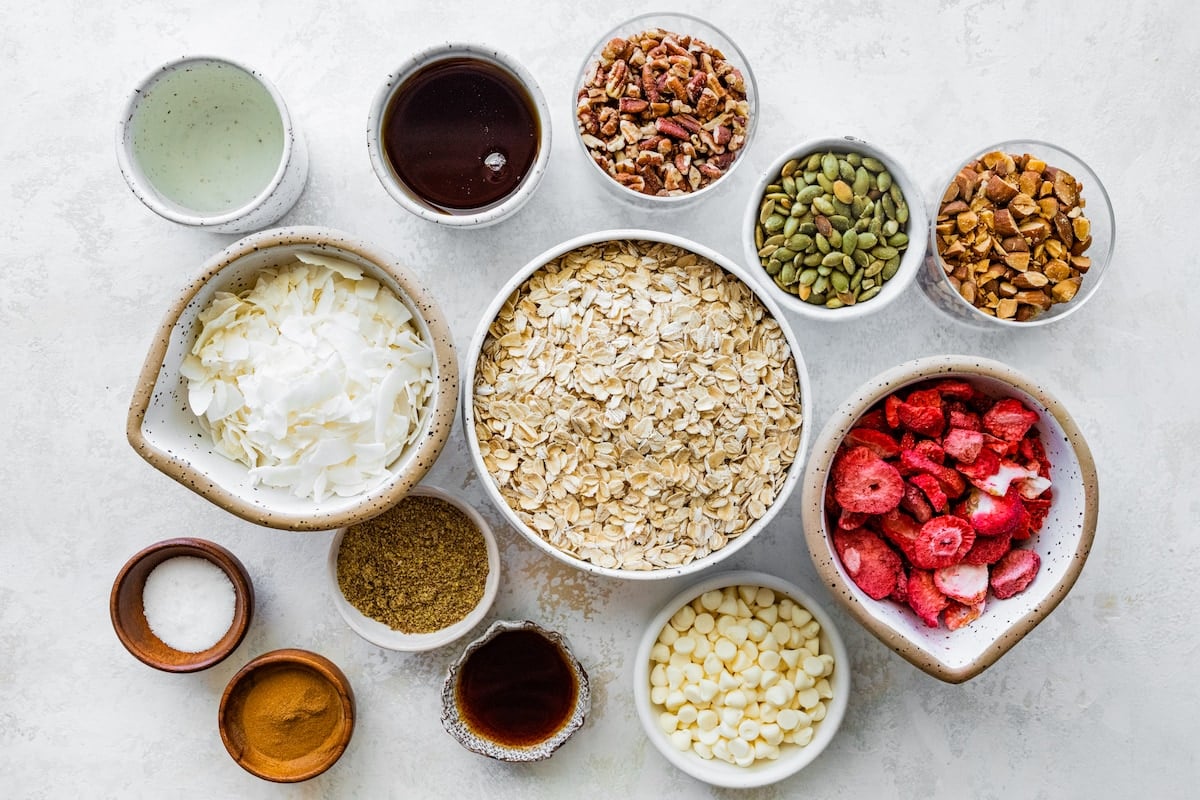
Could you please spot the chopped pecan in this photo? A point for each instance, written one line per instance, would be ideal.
(632, 105)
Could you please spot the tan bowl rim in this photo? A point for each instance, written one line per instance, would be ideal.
(301, 658)
(243, 589)
(813, 490)
(430, 446)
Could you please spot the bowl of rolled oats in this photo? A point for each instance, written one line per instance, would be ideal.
(636, 404)
(665, 107)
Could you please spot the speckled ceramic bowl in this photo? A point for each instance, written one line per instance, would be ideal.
(165, 432)
(1063, 542)
(456, 721)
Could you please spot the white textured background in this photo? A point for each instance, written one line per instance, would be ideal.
(1099, 701)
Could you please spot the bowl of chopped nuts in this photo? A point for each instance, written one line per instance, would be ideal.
(835, 229)
(635, 405)
(1021, 235)
(665, 107)
(741, 680)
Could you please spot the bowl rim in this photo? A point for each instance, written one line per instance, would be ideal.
(419, 642)
(307, 659)
(972, 316)
(910, 262)
(420, 454)
(813, 492)
(667, 202)
(145, 189)
(740, 777)
(477, 218)
(243, 610)
(467, 410)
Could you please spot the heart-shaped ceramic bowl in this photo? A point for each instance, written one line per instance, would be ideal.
(1063, 542)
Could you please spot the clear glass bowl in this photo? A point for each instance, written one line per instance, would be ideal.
(683, 24)
(936, 284)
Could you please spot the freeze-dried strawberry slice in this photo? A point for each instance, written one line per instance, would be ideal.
(956, 390)
(900, 593)
(1013, 573)
(931, 450)
(849, 520)
(907, 441)
(924, 597)
(891, 410)
(993, 474)
(962, 417)
(1009, 419)
(993, 516)
(949, 478)
(1024, 527)
(901, 530)
(870, 563)
(873, 419)
(865, 482)
(966, 583)
(931, 488)
(1038, 510)
(882, 444)
(941, 542)
(915, 503)
(959, 616)
(962, 444)
(985, 464)
(931, 398)
(999, 446)
(988, 549)
(1031, 449)
(924, 420)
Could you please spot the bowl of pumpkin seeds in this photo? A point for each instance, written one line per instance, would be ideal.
(835, 228)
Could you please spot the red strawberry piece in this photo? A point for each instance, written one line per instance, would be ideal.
(931, 450)
(1013, 573)
(849, 520)
(931, 488)
(1038, 510)
(966, 583)
(924, 597)
(1031, 448)
(873, 419)
(924, 420)
(1009, 419)
(962, 417)
(1024, 527)
(883, 444)
(951, 482)
(984, 465)
(988, 549)
(900, 593)
(991, 473)
(963, 444)
(959, 616)
(955, 390)
(925, 397)
(993, 516)
(871, 564)
(900, 529)
(891, 410)
(831, 504)
(915, 503)
(865, 482)
(907, 441)
(941, 542)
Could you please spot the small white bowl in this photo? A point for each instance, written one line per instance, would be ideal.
(381, 634)
(467, 218)
(793, 758)
(1063, 542)
(206, 94)
(910, 262)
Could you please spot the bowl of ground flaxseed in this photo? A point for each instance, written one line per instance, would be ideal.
(418, 576)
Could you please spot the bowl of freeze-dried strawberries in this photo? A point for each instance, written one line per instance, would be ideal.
(665, 108)
(950, 503)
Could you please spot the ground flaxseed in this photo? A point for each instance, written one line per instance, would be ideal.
(417, 568)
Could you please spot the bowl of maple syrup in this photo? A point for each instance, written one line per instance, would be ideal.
(517, 693)
(460, 135)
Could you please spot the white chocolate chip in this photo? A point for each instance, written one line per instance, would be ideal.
(682, 740)
(704, 623)
(668, 722)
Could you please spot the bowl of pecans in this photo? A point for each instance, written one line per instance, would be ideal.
(1022, 235)
(636, 405)
(665, 107)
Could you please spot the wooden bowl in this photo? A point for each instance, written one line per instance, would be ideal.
(129, 617)
(285, 767)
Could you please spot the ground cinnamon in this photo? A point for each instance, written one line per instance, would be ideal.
(291, 712)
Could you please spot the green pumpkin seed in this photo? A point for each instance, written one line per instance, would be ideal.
(867, 240)
(788, 274)
(839, 281)
(758, 236)
(842, 191)
(784, 254)
(765, 210)
(873, 164)
(829, 166)
(773, 267)
(789, 168)
(816, 298)
(868, 283)
(798, 210)
(808, 227)
(808, 194)
(772, 188)
(846, 170)
(856, 281)
(813, 164)
(896, 195)
(889, 207)
(826, 271)
(861, 225)
(874, 268)
(890, 268)
(902, 212)
(862, 258)
(869, 293)
(847, 264)
(773, 223)
(810, 177)
(820, 284)
(884, 181)
(862, 181)
(854, 158)
(822, 243)
(890, 228)
(849, 241)
(834, 302)
(767, 249)
(807, 277)
(776, 240)
(884, 252)
(812, 259)
(789, 185)
(825, 183)
(823, 205)
(835, 239)
(833, 259)
(799, 243)
(790, 225)
(876, 227)
(840, 222)
(898, 240)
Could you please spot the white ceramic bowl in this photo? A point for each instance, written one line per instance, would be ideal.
(793, 758)
(936, 285)
(165, 432)
(910, 262)
(380, 634)
(1063, 542)
(685, 25)
(471, 375)
(469, 218)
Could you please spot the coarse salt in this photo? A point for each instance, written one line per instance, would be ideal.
(189, 603)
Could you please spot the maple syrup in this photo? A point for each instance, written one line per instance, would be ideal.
(461, 134)
(517, 690)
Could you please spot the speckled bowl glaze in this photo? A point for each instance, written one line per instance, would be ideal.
(936, 285)
(274, 200)
(910, 262)
(408, 200)
(380, 634)
(456, 726)
(163, 430)
(1063, 543)
(489, 484)
(793, 758)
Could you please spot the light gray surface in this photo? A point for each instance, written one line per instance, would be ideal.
(1099, 701)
